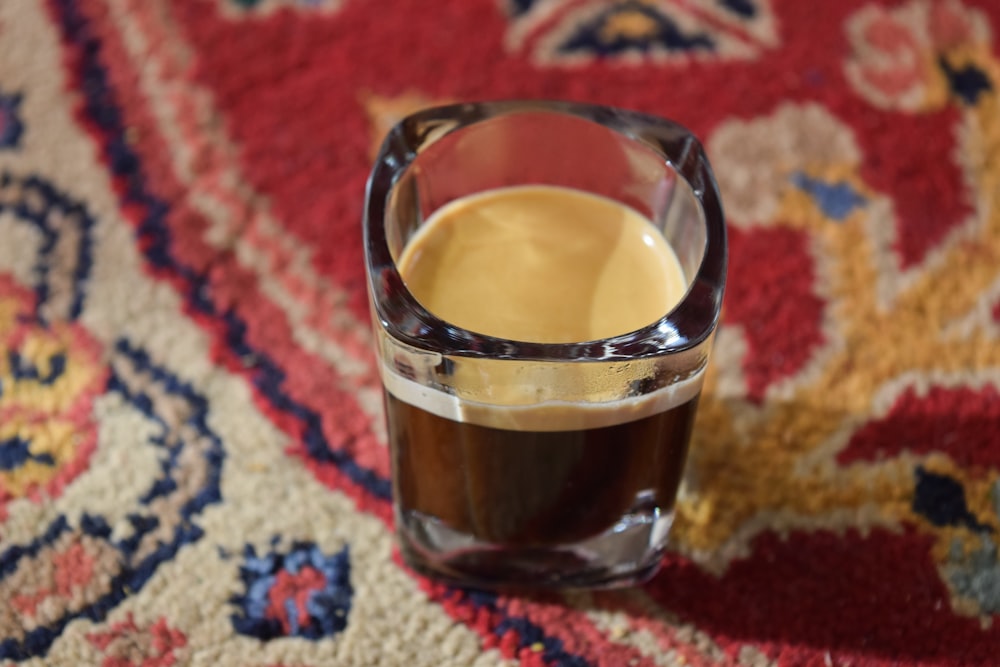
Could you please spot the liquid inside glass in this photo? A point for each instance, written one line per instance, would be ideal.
(499, 485)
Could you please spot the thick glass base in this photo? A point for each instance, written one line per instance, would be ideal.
(629, 553)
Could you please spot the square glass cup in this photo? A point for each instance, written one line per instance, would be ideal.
(527, 464)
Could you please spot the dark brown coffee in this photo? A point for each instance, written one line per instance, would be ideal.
(511, 464)
(535, 488)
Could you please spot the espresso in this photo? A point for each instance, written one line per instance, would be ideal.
(551, 265)
(535, 488)
(542, 264)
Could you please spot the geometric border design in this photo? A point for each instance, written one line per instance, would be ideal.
(142, 551)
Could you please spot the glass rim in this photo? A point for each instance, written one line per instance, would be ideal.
(685, 326)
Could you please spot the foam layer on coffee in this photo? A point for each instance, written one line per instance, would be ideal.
(541, 264)
(547, 415)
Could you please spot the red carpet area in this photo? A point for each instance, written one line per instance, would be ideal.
(193, 461)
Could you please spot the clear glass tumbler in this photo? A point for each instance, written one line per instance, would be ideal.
(487, 492)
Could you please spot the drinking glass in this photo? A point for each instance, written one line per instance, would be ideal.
(527, 464)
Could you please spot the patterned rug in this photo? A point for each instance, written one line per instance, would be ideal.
(193, 466)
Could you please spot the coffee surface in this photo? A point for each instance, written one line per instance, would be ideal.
(542, 264)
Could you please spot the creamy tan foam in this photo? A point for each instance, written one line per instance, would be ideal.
(540, 264)
(543, 416)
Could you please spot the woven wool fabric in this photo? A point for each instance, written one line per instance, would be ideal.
(193, 467)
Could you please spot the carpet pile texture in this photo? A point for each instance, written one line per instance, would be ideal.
(193, 467)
